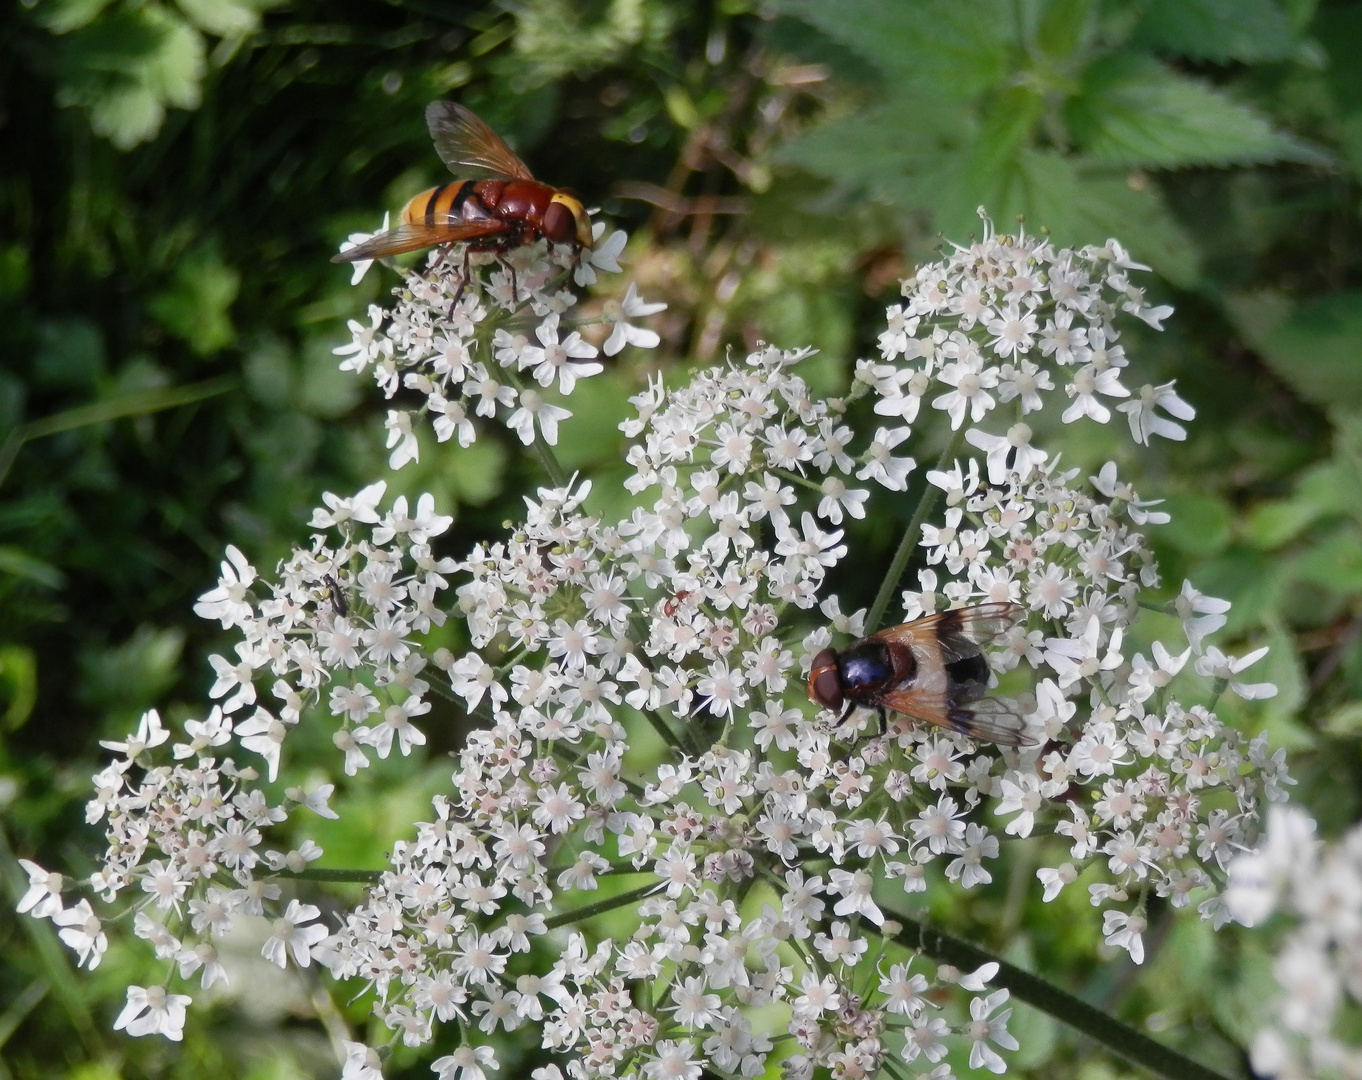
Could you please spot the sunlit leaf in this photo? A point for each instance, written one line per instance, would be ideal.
(1134, 111)
(958, 47)
(1217, 30)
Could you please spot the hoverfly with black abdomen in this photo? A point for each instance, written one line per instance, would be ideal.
(499, 207)
(931, 669)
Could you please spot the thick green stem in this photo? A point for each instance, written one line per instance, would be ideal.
(358, 877)
(102, 412)
(544, 452)
(1137, 1048)
(910, 538)
(587, 911)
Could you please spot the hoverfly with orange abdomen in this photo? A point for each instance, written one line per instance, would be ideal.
(499, 207)
(931, 669)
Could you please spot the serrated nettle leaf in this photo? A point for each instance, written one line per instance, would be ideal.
(1064, 27)
(1073, 202)
(1007, 128)
(1134, 111)
(1217, 30)
(876, 148)
(959, 47)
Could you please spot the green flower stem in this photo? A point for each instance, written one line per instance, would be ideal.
(138, 404)
(910, 538)
(1121, 1039)
(51, 956)
(600, 907)
(544, 452)
(357, 877)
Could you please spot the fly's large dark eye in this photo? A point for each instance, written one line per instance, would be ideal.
(559, 224)
(827, 688)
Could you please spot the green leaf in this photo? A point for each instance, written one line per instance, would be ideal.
(174, 73)
(21, 564)
(127, 115)
(63, 16)
(225, 18)
(1317, 349)
(18, 684)
(195, 307)
(1064, 26)
(70, 354)
(956, 47)
(127, 67)
(1344, 722)
(131, 676)
(1217, 30)
(1076, 205)
(1200, 524)
(1133, 111)
(1333, 563)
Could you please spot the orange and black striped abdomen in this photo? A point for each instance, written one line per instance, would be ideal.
(443, 204)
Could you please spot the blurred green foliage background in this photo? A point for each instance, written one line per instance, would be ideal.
(175, 173)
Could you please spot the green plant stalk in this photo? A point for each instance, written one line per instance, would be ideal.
(544, 452)
(600, 907)
(358, 877)
(1121, 1039)
(910, 538)
(52, 956)
(148, 401)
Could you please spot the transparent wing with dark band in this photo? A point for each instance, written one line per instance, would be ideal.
(960, 632)
(469, 147)
(988, 719)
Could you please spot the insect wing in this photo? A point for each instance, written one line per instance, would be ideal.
(961, 632)
(469, 147)
(988, 719)
(414, 237)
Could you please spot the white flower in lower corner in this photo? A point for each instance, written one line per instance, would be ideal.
(622, 334)
(1124, 931)
(361, 1062)
(152, 1011)
(361, 266)
(982, 1029)
(1144, 421)
(83, 933)
(43, 897)
(466, 1063)
(674, 1061)
(1216, 665)
(289, 934)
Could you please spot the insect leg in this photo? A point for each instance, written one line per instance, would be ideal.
(884, 722)
(463, 280)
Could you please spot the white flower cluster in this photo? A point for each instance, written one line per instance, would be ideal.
(1159, 773)
(1308, 1029)
(997, 322)
(465, 344)
(646, 734)
(341, 620)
